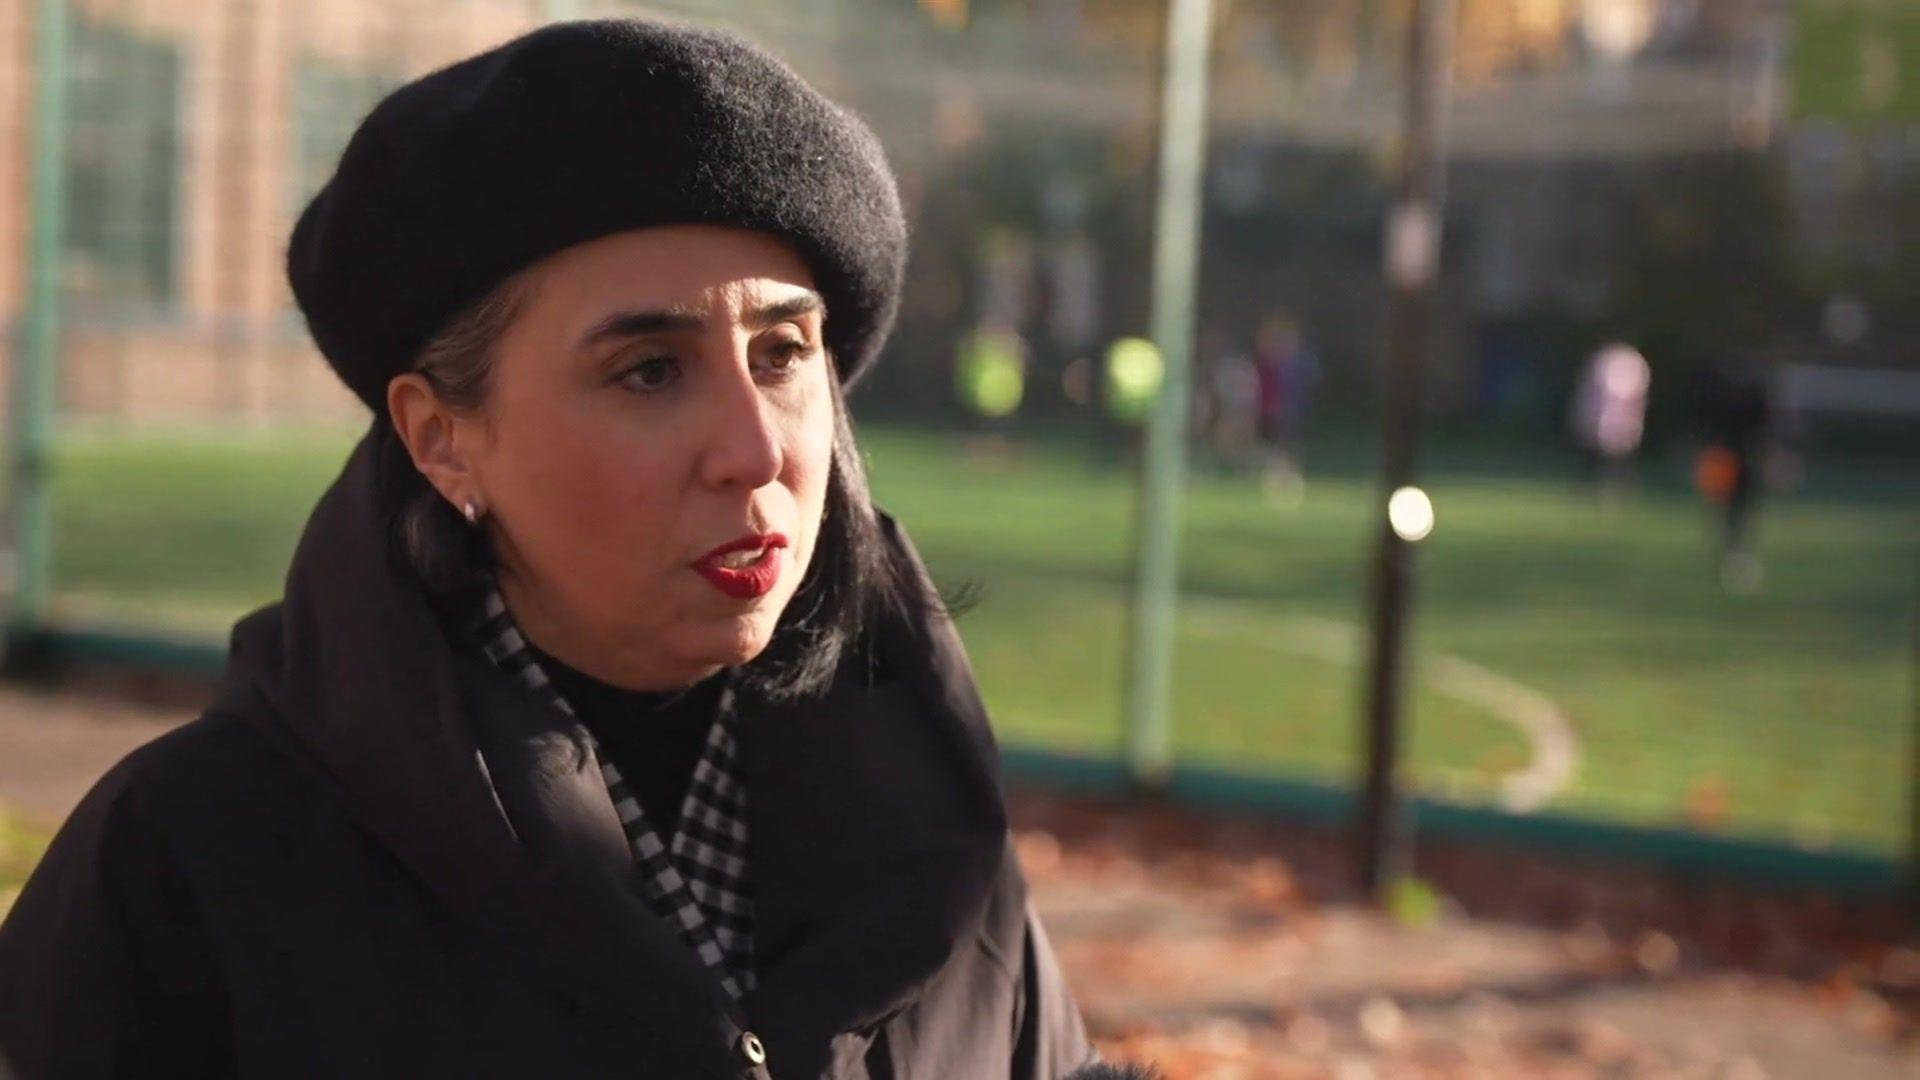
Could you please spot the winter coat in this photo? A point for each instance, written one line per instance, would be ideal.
(376, 855)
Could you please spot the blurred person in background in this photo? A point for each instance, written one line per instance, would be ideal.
(1733, 409)
(1609, 414)
(990, 376)
(1228, 405)
(1288, 372)
(605, 726)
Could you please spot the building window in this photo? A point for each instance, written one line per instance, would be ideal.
(329, 101)
(123, 166)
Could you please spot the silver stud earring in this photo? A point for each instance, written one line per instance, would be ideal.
(471, 512)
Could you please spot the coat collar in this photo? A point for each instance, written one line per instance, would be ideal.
(875, 816)
(877, 826)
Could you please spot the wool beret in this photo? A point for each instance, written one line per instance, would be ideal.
(463, 177)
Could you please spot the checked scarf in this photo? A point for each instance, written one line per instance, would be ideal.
(699, 882)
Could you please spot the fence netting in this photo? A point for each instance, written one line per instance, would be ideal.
(1671, 411)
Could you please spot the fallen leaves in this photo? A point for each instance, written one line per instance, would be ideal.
(1223, 948)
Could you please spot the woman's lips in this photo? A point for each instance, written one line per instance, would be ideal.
(744, 582)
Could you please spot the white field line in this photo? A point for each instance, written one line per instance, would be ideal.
(1555, 748)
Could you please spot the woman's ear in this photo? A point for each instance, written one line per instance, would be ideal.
(426, 426)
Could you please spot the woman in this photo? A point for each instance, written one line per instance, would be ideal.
(604, 726)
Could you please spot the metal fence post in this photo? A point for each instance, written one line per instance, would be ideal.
(37, 355)
(1183, 124)
(1913, 757)
(1412, 265)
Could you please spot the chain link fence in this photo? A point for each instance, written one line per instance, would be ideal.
(1714, 183)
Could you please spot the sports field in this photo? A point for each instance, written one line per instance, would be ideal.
(1581, 646)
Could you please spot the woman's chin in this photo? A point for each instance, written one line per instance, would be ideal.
(736, 640)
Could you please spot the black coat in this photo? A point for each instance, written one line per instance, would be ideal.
(375, 855)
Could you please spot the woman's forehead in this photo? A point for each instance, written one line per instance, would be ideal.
(680, 279)
(679, 267)
(754, 305)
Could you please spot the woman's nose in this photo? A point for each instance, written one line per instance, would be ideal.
(743, 444)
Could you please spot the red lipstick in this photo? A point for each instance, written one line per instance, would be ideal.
(756, 577)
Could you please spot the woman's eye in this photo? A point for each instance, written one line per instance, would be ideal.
(653, 373)
(787, 355)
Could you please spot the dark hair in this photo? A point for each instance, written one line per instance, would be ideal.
(854, 578)
(1101, 1070)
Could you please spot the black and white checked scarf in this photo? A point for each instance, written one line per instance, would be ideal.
(700, 883)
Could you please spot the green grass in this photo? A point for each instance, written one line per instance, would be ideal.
(20, 848)
(1784, 714)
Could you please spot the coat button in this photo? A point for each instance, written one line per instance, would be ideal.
(751, 1049)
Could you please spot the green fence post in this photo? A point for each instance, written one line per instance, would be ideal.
(1176, 242)
(37, 355)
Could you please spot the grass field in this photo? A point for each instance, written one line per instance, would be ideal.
(1784, 714)
(20, 848)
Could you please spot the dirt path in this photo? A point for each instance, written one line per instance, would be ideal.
(1227, 949)
(1221, 952)
(53, 746)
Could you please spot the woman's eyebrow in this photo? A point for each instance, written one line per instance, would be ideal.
(807, 303)
(625, 324)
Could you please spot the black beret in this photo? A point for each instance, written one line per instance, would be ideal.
(461, 178)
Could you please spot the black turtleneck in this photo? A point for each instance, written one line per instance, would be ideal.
(653, 738)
